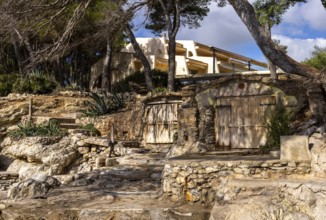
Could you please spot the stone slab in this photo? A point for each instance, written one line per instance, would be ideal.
(100, 141)
(295, 148)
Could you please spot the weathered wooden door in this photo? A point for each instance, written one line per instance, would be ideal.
(240, 121)
(161, 123)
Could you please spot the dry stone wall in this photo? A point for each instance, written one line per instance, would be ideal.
(7, 179)
(198, 178)
(122, 122)
(195, 180)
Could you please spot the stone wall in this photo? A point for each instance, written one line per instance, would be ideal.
(198, 177)
(247, 100)
(7, 179)
(197, 180)
(95, 153)
(131, 115)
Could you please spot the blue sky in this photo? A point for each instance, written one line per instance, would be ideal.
(302, 27)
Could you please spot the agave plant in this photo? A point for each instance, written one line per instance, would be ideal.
(98, 105)
(117, 101)
(51, 128)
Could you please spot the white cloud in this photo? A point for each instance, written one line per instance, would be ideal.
(221, 28)
(300, 49)
(224, 29)
(311, 13)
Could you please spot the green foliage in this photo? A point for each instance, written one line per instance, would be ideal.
(99, 106)
(91, 129)
(6, 83)
(318, 58)
(280, 46)
(277, 125)
(160, 79)
(191, 13)
(36, 83)
(269, 12)
(159, 90)
(50, 128)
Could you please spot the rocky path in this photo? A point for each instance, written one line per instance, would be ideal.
(129, 190)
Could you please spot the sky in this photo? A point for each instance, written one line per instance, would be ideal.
(303, 26)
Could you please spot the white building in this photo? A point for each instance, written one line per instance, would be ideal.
(192, 58)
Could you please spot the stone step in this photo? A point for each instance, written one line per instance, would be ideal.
(233, 152)
(121, 150)
(69, 125)
(141, 159)
(62, 120)
(100, 141)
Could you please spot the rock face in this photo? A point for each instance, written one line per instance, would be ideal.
(268, 199)
(32, 188)
(317, 142)
(48, 155)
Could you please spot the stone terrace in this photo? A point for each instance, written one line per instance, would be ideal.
(197, 177)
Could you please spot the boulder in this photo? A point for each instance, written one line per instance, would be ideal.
(51, 155)
(31, 188)
(177, 150)
(26, 170)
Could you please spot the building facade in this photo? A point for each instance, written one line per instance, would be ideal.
(192, 58)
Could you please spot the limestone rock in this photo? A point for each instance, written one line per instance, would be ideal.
(25, 169)
(83, 150)
(253, 209)
(51, 155)
(31, 188)
(318, 154)
(177, 150)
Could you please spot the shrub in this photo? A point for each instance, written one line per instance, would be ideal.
(160, 79)
(317, 59)
(50, 128)
(277, 125)
(22, 85)
(36, 83)
(91, 129)
(99, 106)
(159, 90)
(6, 83)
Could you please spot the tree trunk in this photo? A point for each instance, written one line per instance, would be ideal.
(272, 68)
(18, 56)
(106, 67)
(59, 71)
(316, 102)
(172, 63)
(140, 55)
(247, 14)
(173, 24)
